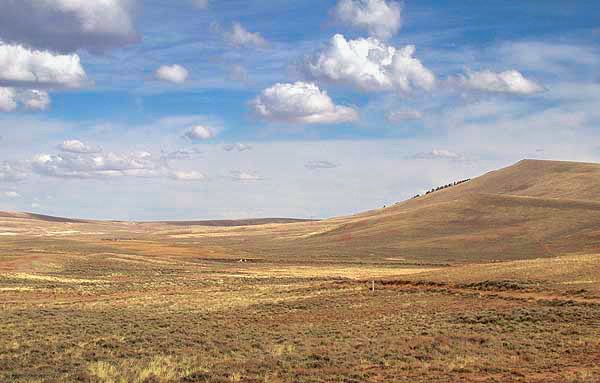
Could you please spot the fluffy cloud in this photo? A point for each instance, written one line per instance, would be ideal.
(172, 73)
(76, 146)
(68, 25)
(187, 176)
(510, 81)
(403, 115)
(239, 147)
(200, 133)
(369, 64)
(8, 99)
(239, 36)
(300, 102)
(437, 154)
(380, 18)
(79, 165)
(20, 66)
(32, 99)
(312, 165)
(35, 99)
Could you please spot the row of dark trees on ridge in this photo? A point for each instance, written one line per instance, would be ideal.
(443, 187)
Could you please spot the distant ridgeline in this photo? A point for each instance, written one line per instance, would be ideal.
(443, 187)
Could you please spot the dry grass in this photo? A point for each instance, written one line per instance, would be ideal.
(97, 320)
(157, 302)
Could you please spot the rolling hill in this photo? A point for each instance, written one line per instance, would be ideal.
(533, 209)
(529, 210)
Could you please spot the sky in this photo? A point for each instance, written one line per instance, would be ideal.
(221, 109)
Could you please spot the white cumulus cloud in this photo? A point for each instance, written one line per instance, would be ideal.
(21, 66)
(380, 18)
(68, 25)
(35, 99)
(300, 102)
(510, 81)
(200, 133)
(31, 99)
(172, 73)
(371, 65)
(241, 37)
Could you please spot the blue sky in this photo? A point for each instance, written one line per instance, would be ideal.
(196, 109)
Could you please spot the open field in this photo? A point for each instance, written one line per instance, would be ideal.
(494, 280)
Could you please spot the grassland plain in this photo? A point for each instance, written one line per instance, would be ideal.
(494, 280)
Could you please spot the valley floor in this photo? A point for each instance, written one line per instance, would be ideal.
(125, 317)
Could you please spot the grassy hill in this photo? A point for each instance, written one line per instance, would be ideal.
(529, 210)
(533, 209)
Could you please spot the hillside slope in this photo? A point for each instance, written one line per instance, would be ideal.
(533, 209)
(528, 210)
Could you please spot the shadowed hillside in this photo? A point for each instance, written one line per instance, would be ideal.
(40, 217)
(215, 223)
(237, 222)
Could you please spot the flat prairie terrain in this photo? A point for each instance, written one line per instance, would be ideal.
(493, 280)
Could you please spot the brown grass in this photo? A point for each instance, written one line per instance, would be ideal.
(489, 281)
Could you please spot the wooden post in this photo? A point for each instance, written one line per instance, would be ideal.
(373, 286)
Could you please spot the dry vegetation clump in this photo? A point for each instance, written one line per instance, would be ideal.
(157, 369)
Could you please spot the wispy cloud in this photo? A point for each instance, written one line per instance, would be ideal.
(243, 176)
(320, 164)
(239, 36)
(437, 154)
(510, 81)
(237, 147)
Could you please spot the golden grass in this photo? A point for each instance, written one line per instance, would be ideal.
(48, 278)
(328, 271)
(493, 280)
(160, 368)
